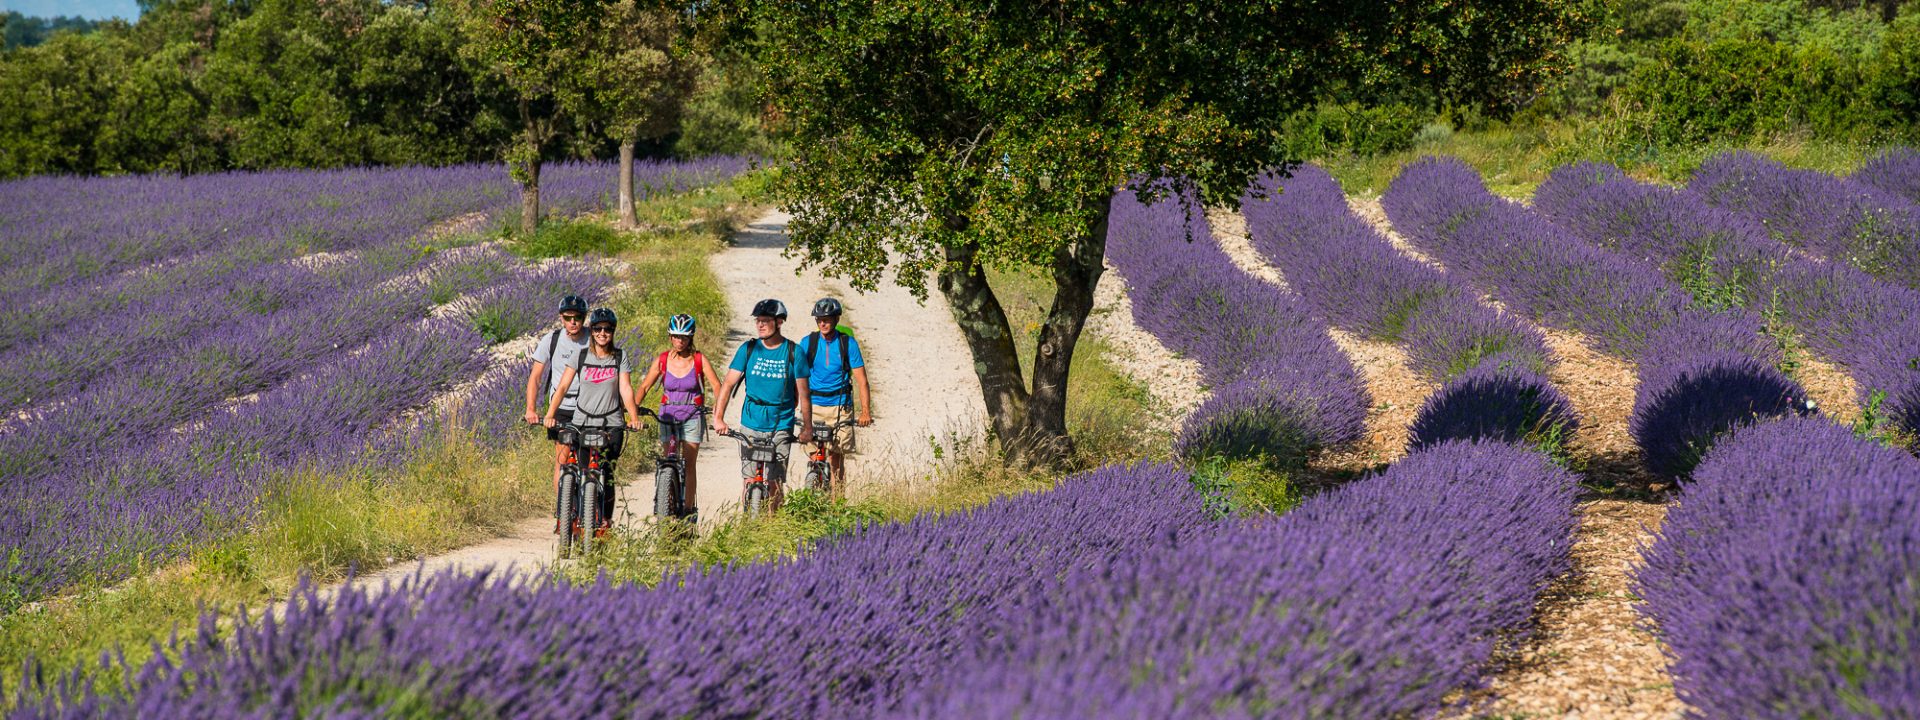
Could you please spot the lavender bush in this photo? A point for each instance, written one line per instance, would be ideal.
(1624, 307)
(1282, 388)
(1784, 581)
(1376, 599)
(1869, 327)
(1351, 275)
(1895, 171)
(1846, 222)
(835, 634)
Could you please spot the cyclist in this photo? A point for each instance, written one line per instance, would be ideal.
(684, 376)
(776, 381)
(605, 378)
(557, 350)
(839, 375)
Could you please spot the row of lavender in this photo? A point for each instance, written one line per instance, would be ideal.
(1785, 581)
(1703, 369)
(1280, 387)
(140, 439)
(1870, 327)
(1111, 595)
(1491, 367)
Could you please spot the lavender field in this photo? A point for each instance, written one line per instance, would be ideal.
(173, 345)
(1782, 584)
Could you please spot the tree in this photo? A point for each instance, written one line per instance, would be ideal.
(528, 42)
(631, 81)
(940, 137)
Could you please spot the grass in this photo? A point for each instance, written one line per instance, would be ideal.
(452, 494)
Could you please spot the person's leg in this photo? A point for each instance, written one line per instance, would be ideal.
(777, 470)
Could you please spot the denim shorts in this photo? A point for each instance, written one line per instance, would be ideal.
(694, 430)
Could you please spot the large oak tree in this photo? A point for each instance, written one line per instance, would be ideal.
(937, 138)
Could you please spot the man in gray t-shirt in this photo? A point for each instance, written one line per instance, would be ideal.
(552, 353)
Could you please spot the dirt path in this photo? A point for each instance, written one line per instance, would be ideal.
(924, 392)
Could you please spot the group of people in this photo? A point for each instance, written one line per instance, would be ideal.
(789, 385)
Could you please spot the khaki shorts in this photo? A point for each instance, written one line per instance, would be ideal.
(827, 415)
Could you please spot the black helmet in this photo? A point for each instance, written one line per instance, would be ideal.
(827, 307)
(573, 303)
(770, 308)
(603, 315)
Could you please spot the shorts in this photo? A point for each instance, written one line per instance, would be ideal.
(783, 451)
(826, 416)
(694, 430)
(560, 417)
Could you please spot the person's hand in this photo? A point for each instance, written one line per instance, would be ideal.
(549, 422)
(532, 418)
(633, 420)
(866, 418)
(806, 432)
(720, 427)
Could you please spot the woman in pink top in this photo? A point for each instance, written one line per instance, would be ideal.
(684, 376)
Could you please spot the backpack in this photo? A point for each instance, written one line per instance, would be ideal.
(813, 346)
(699, 377)
(546, 381)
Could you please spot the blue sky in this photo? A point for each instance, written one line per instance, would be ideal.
(93, 9)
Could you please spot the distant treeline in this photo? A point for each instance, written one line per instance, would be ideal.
(208, 85)
(17, 31)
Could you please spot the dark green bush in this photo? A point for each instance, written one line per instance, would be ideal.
(1354, 128)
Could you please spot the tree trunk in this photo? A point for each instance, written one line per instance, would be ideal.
(530, 198)
(627, 216)
(1076, 272)
(983, 323)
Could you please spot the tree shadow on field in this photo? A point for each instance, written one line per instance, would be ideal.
(761, 236)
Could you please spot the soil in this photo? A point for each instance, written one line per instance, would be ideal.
(925, 396)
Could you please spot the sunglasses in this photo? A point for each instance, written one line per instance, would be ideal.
(570, 317)
(603, 329)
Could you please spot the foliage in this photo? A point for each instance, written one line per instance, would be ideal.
(1783, 581)
(723, 114)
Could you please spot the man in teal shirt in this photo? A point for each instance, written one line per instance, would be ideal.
(776, 383)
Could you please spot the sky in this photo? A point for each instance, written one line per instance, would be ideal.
(90, 9)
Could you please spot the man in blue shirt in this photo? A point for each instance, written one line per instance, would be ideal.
(776, 382)
(839, 375)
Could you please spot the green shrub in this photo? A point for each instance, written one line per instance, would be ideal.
(570, 238)
(1362, 130)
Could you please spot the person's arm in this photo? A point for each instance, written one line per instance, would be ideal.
(712, 382)
(653, 375)
(866, 398)
(720, 403)
(559, 394)
(627, 397)
(533, 392)
(803, 412)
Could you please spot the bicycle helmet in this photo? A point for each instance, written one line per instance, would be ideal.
(603, 315)
(770, 308)
(827, 307)
(573, 303)
(681, 324)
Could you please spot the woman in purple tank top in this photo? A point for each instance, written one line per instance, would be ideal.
(684, 376)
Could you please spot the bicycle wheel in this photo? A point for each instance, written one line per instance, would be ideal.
(665, 487)
(756, 499)
(589, 510)
(819, 478)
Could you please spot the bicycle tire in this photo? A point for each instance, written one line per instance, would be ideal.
(566, 512)
(589, 511)
(665, 487)
(820, 478)
(756, 499)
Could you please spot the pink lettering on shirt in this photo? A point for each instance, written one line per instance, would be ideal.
(597, 375)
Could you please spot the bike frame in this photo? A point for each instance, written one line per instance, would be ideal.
(824, 436)
(583, 464)
(669, 458)
(771, 446)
